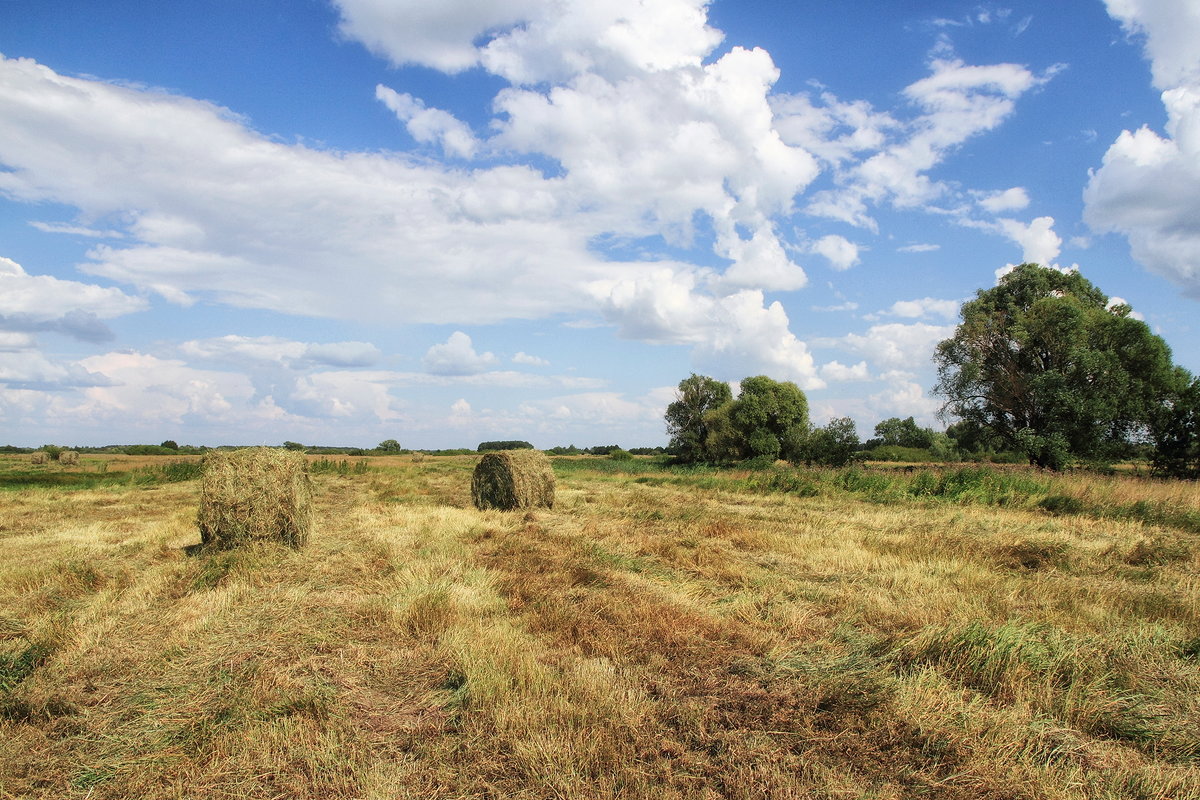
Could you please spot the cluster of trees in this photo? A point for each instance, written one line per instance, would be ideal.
(604, 450)
(1044, 364)
(485, 447)
(768, 420)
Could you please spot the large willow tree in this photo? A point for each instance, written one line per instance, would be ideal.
(1049, 369)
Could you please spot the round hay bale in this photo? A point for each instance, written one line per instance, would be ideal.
(255, 494)
(39, 457)
(512, 479)
(68, 458)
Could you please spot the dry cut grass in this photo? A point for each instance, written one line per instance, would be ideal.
(665, 640)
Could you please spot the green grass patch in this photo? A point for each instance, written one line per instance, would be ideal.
(102, 477)
(15, 667)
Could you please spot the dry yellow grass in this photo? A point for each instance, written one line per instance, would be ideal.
(637, 641)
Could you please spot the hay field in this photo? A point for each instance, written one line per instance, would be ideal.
(656, 634)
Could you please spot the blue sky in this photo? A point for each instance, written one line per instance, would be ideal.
(355, 220)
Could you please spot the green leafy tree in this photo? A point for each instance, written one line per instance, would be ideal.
(768, 415)
(834, 445)
(1043, 364)
(969, 436)
(389, 446)
(170, 444)
(687, 417)
(896, 432)
(293, 446)
(723, 443)
(1175, 430)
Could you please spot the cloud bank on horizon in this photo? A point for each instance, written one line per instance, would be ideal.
(632, 174)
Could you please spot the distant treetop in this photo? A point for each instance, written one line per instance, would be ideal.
(509, 445)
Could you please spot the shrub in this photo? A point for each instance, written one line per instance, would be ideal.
(897, 453)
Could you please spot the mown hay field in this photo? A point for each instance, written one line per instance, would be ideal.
(657, 633)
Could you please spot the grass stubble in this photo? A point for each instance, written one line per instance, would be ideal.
(682, 639)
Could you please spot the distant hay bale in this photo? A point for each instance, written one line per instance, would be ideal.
(39, 457)
(68, 458)
(512, 479)
(255, 494)
(418, 458)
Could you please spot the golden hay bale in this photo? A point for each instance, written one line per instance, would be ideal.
(512, 479)
(39, 457)
(255, 494)
(68, 458)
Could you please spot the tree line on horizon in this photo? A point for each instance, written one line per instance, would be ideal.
(1042, 366)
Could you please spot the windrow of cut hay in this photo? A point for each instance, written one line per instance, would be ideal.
(68, 458)
(512, 479)
(255, 494)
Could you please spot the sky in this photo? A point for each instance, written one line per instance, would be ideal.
(345, 221)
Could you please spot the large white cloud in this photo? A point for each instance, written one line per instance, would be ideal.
(221, 212)
(894, 345)
(879, 159)
(29, 369)
(533, 41)
(1039, 243)
(31, 303)
(734, 335)
(156, 390)
(439, 35)
(1148, 187)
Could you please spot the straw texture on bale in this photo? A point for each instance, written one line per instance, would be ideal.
(39, 457)
(512, 479)
(255, 494)
(68, 458)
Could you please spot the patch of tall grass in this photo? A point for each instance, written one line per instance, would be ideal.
(103, 476)
(329, 466)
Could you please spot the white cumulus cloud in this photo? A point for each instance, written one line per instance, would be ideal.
(1148, 187)
(32, 303)
(1013, 199)
(837, 372)
(924, 307)
(894, 345)
(529, 360)
(733, 335)
(457, 356)
(838, 250)
(430, 125)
